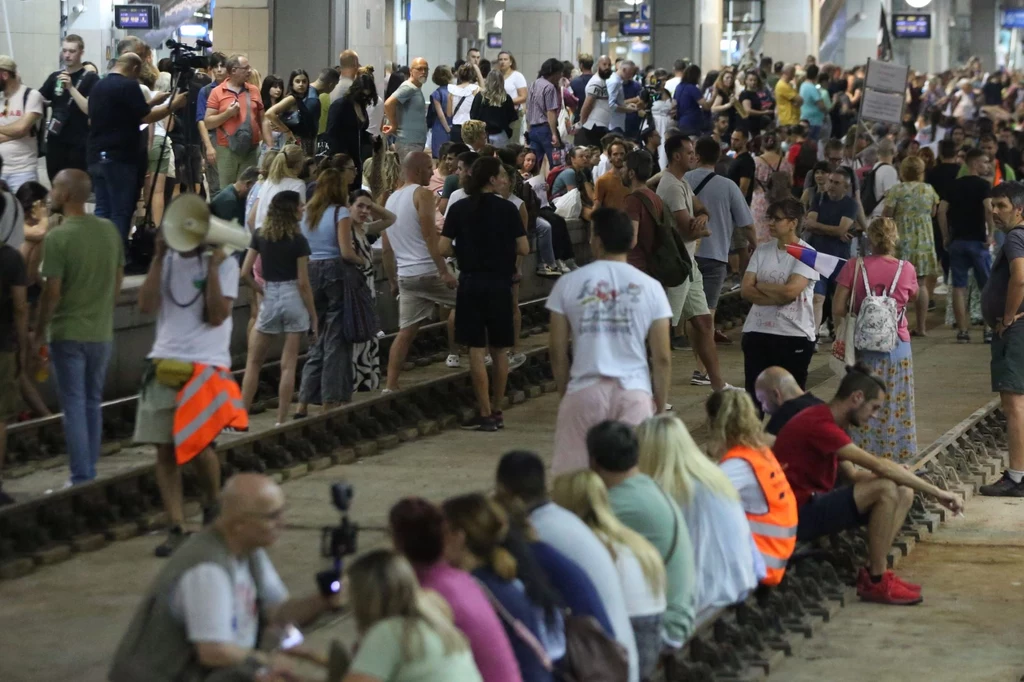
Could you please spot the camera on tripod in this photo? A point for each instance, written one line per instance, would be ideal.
(337, 542)
(185, 59)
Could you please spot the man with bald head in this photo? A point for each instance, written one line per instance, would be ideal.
(117, 108)
(781, 397)
(406, 111)
(204, 610)
(83, 265)
(348, 69)
(411, 252)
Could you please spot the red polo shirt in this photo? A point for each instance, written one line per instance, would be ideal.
(222, 97)
(806, 449)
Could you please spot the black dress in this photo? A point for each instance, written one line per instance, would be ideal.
(345, 132)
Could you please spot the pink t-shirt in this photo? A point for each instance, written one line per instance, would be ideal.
(881, 271)
(475, 616)
(435, 185)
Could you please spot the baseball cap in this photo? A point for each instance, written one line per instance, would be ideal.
(7, 63)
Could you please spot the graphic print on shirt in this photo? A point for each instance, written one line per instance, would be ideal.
(606, 309)
(777, 271)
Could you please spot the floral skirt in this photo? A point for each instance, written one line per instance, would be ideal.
(892, 432)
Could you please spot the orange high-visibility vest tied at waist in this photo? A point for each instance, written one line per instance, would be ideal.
(774, 532)
(210, 402)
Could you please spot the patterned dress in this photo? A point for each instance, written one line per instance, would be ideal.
(892, 432)
(912, 204)
(759, 202)
(365, 356)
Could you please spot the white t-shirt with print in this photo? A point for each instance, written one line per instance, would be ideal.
(181, 331)
(21, 155)
(513, 82)
(610, 307)
(462, 101)
(601, 113)
(214, 610)
(774, 266)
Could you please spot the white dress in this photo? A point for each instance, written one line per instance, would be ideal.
(662, 111)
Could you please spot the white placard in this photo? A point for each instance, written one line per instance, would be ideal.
(882, 107)
(886, 76)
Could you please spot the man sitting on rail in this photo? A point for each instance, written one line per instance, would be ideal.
(814, 447)
(204, 611)
(188, 373)
(781, 398)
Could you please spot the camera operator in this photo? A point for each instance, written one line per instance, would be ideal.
(203, 613)
(67, 91)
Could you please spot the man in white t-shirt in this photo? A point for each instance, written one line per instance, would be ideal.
(193, 295)
(688, 300)
(22, 109)
(884, 173)
(677, 77)
(610, 310)
(596, 112)
(202, 614)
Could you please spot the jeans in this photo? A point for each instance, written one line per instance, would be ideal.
(81, 368)
(540, 142)
(116, 185)
(966, 255)
(327, 376)
(545, 251)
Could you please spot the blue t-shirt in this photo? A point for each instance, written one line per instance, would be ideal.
(831, 213)
(515, 601)
(727, 208)
(323, 241)
(578, 85)
(578, 592)
(631, 89)
(689, 115)
(809, 110)
(564, 181)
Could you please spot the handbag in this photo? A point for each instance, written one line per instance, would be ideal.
(843, 352)
(590, 654)
(518, 627)
(359, 320)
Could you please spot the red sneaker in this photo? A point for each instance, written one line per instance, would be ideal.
(888, 591)
(864, 578)
(910, 586)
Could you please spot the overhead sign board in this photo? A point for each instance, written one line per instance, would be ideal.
(905, 25)
(882, 107)
(630, 24)
(1013, 18)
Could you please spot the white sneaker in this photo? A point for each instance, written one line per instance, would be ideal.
(516, 360)
(385, 391)
(453, 361)
(487, 360)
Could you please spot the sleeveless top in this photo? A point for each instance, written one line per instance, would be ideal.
(405, 236)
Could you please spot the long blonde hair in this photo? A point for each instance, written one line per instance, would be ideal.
(286, 164)
(383, 585)
(485, 525)
(734, 422)
(384, 174)
(331, 190)
(583, 493)
(669, 455)
(494, 89)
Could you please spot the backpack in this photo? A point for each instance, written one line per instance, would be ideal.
(552, 176)
(779, 185)
(878, 321)
(37, 129)
(240, 141)
(590, 654)
(867, 193)
(669, 261)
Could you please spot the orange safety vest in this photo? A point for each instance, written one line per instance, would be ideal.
(774, 532)
(210, 402)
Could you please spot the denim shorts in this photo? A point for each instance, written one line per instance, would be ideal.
(966, 255)
(282, 310)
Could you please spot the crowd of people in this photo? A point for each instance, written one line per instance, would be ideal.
(690, 188)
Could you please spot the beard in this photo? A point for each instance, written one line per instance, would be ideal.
(605, 74)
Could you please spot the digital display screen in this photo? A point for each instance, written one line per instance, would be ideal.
(134, 16)
(632, 24)
(1013, 18)
(494, 41)
(912, 26)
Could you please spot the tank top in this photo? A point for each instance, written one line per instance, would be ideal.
(405, 236)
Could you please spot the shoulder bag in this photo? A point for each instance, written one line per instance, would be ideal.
(843, 352)
(359, 320)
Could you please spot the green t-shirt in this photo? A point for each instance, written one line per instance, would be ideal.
(227, 206)
(640, 504)
(451, 183)
(380, 656)
(85, 253)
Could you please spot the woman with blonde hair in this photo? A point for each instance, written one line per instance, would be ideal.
(912, 204)
(404, 632)
(639, 565)
(739, 444)
(287, 296)
(282, 176)
(474, 134)
(495, 108)
(892, 431)
(476, 531)
(727, 562)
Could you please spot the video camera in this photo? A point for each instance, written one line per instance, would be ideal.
(337, 542)
(185, 59)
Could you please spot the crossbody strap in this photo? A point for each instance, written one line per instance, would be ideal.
(704, 182)
(853, 292)
(518, 627)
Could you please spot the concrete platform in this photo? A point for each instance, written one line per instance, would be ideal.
(62, 623)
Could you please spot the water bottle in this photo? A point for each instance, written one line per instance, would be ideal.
(43, 373)
(58, 89)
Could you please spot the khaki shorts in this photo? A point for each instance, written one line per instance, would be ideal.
(688, 300)
(154, 416)
(417, 297)
(10, 391)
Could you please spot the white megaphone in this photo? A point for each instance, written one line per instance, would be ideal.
(188, 224)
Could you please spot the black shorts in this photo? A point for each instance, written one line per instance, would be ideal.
(483, 311)
(827, 513)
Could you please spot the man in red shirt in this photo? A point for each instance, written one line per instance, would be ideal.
(813, 448)
(235, 111)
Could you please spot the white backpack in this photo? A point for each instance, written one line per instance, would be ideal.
(878, 321)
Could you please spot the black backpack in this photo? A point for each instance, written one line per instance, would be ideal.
(669, 262)
(37, 129)
(867, 194)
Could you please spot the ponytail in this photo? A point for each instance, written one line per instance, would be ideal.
(285, 163)
(503, 563)
(480, 174)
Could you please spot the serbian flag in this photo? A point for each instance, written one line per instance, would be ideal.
(822, 262)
